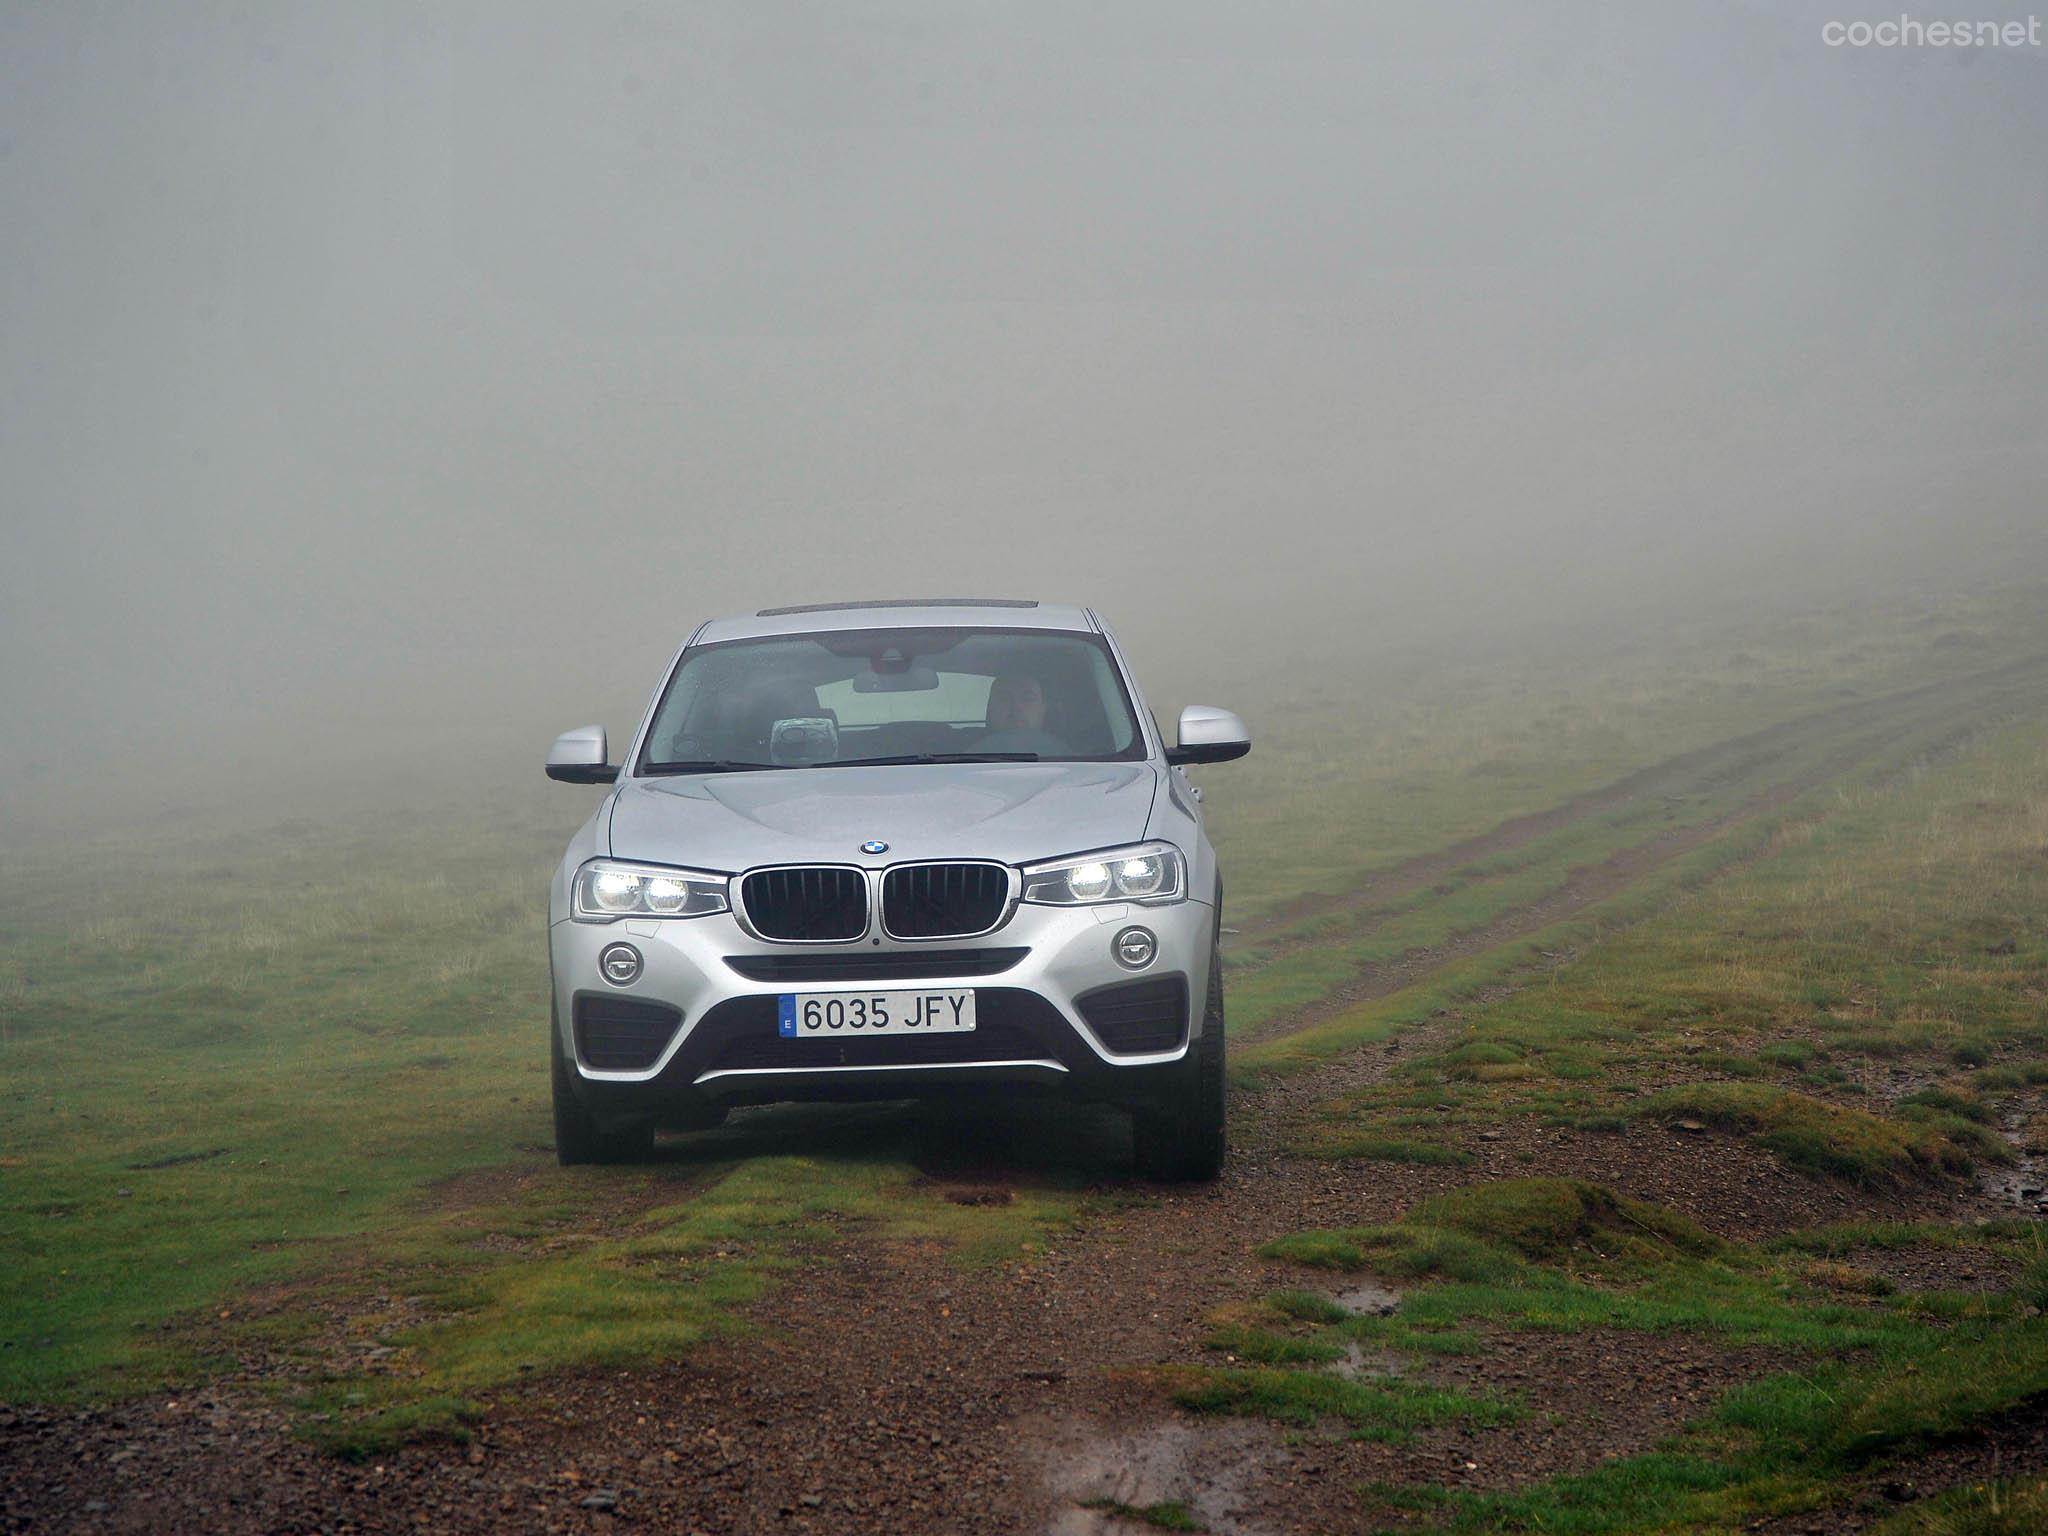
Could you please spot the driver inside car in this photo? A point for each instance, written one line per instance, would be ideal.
(1016, 703)
(1016, 717)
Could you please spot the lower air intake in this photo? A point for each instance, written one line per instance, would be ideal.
(1135, 1017)
(616, 1034)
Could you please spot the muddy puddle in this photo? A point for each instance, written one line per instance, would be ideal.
(1098, 1475)
(1358, 1363)
(2024, 1181)
(1367, 1299)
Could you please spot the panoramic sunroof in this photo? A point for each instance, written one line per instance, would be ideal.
(903, 602)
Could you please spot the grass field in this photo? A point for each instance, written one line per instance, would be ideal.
(275, 1101)
(1904, 932)
(1863, 1001)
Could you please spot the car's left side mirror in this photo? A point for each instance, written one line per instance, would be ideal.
(578, 757)
(1209, 735)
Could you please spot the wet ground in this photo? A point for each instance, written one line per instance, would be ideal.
(892, 1390)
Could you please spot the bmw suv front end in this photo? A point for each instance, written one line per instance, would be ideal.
(891, 852)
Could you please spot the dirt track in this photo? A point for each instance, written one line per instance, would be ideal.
(1967, 701)
(894, 1391)
(1950, 717)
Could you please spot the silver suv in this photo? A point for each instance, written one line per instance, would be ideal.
(891, 850)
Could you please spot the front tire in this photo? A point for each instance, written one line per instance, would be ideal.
(1182, 1140)
(577, 1136)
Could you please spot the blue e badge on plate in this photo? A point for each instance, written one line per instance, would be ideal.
(785, 1024)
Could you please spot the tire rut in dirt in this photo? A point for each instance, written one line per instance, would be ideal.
(1701, 767)
(1953, 722)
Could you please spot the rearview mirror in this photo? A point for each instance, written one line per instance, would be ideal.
(914, 677)
(578, 757)
(1209, 735)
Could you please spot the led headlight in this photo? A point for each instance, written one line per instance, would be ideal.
(1152, 872)
(606, 888)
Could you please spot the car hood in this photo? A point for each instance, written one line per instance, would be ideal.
(1014, 812)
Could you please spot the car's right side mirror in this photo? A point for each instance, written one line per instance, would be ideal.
(1209, 735)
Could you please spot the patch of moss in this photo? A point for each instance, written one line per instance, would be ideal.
(357, 1437)
(1553, 1219)
(1812, 1134)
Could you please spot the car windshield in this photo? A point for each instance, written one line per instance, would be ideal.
(893, 695)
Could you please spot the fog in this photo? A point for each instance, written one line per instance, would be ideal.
(407, 380)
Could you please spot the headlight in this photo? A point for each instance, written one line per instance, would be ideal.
(1153, 872)
(606, 889)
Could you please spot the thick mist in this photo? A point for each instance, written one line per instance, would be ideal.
(404, 380)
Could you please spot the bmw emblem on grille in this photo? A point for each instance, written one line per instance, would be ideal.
(874, 845)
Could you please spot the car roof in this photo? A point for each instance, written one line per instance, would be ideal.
(900, 613)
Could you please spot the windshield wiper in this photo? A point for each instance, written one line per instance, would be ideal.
(929, 757)
(707, 765)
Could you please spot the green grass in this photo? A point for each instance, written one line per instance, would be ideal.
(1294, 967)
(1514, 964)
(1842, 1238)
(1565, 1255)
(1369, 1410)
(1902, 925)
(1380, 1149)
(1757, 1004)
(251, 1064)
(1402, 755)
(1886, 1375)
(1997, 1508)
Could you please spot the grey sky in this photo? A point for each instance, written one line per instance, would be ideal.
(363, 365)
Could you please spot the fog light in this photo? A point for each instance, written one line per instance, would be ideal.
(1134, 948)
(620, 964)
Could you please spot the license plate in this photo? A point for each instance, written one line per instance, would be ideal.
(838, 1015)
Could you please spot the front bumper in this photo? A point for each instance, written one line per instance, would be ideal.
(1034, 1028)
